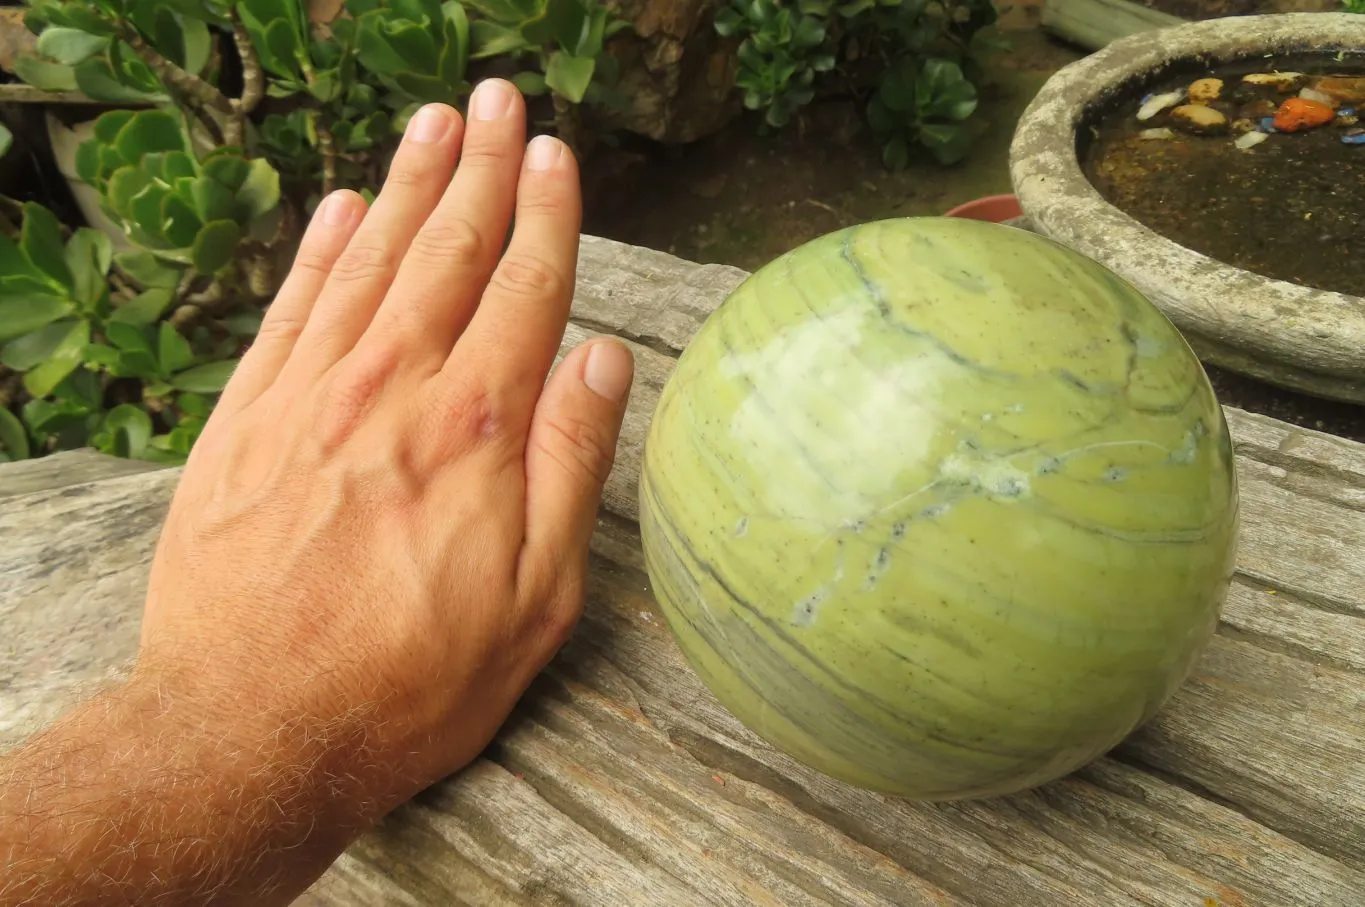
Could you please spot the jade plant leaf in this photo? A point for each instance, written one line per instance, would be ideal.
(97, 79)
(40, 239)
(148, 131)
(569, 76)
(88, 254)
(260, 189)
(179, 224)
(490, 39)
(23, 353)
(144, 308)
(20, 315)
(212, 200)
(129, 428)
(172, 350)
(13, 436)
(63, 359)
(229, 170)
(215, 245)
(45, 74)
(69, 45)
(148, 270)
(205, 379)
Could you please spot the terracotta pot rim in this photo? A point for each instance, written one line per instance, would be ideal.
(995, 208)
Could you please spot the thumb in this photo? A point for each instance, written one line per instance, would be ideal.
(570, 452)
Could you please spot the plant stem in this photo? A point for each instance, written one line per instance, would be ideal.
(327, 147)
(566, 122)
(195, 90)
(253, 82)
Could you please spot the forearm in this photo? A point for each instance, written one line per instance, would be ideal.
(138, 797)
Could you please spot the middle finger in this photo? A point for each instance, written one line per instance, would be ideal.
(363, 274)
(449, 261)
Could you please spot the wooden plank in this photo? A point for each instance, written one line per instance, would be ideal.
(1093, 24)
(73, 467)
(620, 780)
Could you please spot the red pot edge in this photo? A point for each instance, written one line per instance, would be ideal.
(994, 208)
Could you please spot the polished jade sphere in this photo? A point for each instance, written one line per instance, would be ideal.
(939, 507)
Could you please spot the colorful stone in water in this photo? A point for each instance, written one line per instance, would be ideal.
(1297, 114)
(939, 507)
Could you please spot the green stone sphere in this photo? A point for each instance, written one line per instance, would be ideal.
(939, 507)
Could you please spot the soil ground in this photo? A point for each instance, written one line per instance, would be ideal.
(743, 199)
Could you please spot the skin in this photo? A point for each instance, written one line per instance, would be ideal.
(379, 540)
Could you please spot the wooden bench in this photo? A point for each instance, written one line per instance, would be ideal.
(620, 782)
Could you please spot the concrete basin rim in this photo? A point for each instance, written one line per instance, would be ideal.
(1317, 329)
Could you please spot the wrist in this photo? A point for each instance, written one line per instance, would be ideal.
(158, 791)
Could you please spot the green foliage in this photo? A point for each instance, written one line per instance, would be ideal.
(184, 211)
(566, 40)
(906, 56)
(127, 349)
(75, 344)
(1353, 6)
(926, 104)
(783, 50)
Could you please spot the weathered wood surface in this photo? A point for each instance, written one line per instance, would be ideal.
(71, 468)
(620, 782)
(1093, 24)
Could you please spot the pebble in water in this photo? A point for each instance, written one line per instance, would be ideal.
(1154, 104)
(1297, 114)
(1354, 137)
(1342, 89)
(1199, 119)
(1156, 134)
(1250, 140)
(1284, 81)
(1312, 94)
(1202, 91)
(1260, 107)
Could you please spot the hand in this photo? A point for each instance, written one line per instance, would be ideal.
(382, 534)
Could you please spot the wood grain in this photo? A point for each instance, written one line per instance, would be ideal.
(621, 781)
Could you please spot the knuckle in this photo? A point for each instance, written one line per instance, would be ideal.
(352, 392)
(556, 601)
(580, 448)
(446, 238)
(469, 415)
(411, 171)
(523, 274)
(486, 153)
(312, 261)
(279, 328)
(364, 261)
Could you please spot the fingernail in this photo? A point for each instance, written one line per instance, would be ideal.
(609, 370)
(492, 99)
(335, 209)
(543, 153)
(429, 125)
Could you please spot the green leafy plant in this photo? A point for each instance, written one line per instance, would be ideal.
(564, 41)
(783, 49)
(238, 116)
(925, 104)
(910, 61)
(1353, 6)
(77, 345)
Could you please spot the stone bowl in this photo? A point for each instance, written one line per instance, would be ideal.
(1298, 337)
